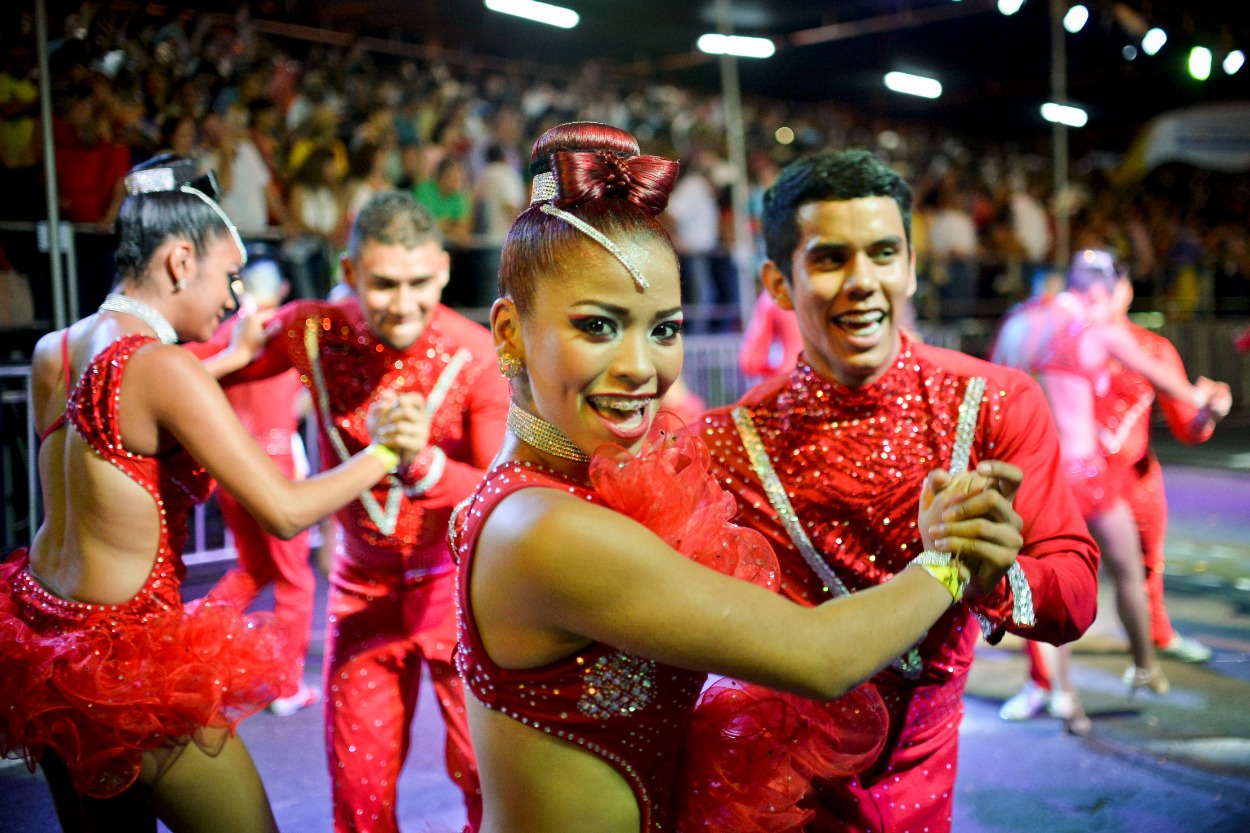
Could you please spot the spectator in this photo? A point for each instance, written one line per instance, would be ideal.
(447, 199)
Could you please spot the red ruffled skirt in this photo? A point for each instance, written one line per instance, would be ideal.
(751, 753)
(98, 686)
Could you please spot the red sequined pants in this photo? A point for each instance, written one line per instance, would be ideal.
(265, 559)
(380, 631)
(1149, 504)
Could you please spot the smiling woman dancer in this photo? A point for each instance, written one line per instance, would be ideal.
(127, 699)
(589, 615)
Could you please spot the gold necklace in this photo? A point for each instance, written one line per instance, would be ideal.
(543, 436)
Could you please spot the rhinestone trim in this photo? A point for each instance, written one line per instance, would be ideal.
(910, 664)
(542, 435)
(115, 302)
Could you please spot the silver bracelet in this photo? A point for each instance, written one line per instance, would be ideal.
(432, 475)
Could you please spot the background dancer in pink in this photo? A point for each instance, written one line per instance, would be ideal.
(1101, 374)
(391, 604)
(269, 410)
(589, 614)
(827, 461)
(126, 698)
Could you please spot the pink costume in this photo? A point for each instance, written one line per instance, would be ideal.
(771, 343)
(100, 685)
(850, 462)
(636, 713)
(392, 587)
(1123, 417)
(267, 409)
(1095, 485)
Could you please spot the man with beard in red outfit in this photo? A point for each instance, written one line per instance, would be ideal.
(827, 462)
(392, 585)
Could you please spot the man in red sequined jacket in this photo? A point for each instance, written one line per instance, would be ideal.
(392, 585)
(828, 463)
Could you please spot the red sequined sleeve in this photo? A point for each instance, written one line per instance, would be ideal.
(1182, 417)
(1059, 559)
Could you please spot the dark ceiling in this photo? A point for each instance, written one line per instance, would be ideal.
(995, 69)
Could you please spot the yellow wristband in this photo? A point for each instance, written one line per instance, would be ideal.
(949, 577)
(389, 458)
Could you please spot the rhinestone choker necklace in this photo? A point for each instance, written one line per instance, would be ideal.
(543, 436)
(124, 303)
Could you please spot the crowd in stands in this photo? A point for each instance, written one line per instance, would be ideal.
(301, 133)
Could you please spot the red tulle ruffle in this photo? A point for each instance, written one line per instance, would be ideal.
(99, 697)
(752, 754)
(668, 487)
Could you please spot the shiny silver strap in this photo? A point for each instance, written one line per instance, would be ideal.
(966, 425)
(910, 664)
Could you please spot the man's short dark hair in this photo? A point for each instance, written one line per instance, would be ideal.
(826, 177)
(392, 218)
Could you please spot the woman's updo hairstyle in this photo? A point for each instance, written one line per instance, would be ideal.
(595, 173)
(150, 217)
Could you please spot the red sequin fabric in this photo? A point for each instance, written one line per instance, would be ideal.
(99, 685)
(744, 746)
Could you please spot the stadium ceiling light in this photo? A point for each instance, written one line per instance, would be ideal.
(1010, 7)
(1233, 61)
(1076, 18)
(1200, 63)
(1153, 40)
(740, 45)
(538, 12)
(1064, 114)
(903, 82)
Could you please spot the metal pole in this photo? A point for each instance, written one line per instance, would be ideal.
(59, 318)
(1059, 132)
(735, 141)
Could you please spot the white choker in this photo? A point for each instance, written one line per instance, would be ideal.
(115, 302)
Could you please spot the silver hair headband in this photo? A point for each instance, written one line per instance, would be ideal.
(544, 189)
(234, 232)
(154, 180)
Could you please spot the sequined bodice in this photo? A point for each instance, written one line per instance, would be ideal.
(174, 480)
(630, 711)
(347, 369)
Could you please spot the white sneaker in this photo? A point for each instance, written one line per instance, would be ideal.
(307, 695)
(1185, 649)
(1026, 705)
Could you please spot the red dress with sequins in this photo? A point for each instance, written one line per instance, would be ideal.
(99, 685)
(708, 769)
(852, 461)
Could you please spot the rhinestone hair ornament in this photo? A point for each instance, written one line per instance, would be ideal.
(181, 176)
(544, 190)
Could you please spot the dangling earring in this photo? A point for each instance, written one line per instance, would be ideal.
(510, 366)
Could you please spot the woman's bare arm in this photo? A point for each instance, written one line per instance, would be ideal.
(183, 400)
(552, 572)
